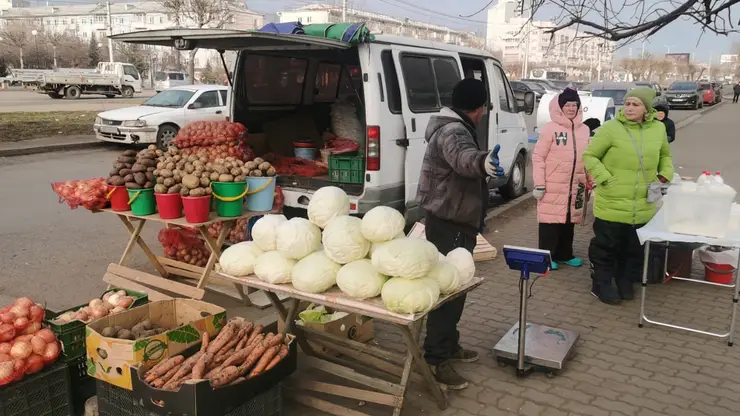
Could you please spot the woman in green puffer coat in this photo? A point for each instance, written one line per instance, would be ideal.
(621, 184)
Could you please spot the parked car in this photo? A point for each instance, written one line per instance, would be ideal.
(709, 94)
(685, 94)
(561, 85)
(520, 89)
(537, 88)
(160, 117)
(613, 90)
(659, 97)
(547, 85)
(168, 79)
(398, 85)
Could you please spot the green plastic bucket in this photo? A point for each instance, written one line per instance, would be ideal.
(229, 197)
(261, 194)
(142, 201)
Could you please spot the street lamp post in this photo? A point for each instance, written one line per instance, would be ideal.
(668, 48)
(54, 49)
(36, 42)
(100, 45)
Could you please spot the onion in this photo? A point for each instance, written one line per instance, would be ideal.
(126, 302)
(20, 310)
(82, 316)
(51, 353)
(36, 313)
(99, 312)
(5, 347)
(121, 293)
(117, 309)
(114, 299)
(96, 303)
(38, 345)
(46, 335)
(21, 350)
(22, 338)
(7, 317)
(25, 302)
(20, 323)
(6, 372)
(107, 296)
(5, 358)
(19, 366)
(7, 332)
(34, 364)
(32, 328)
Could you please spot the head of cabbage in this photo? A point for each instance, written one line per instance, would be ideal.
(273, 267)
(406, 257)
(297, 238)
(446, 275)
(382, 224)
(327, 203)
(264, 231)
(239, 259)
(360, 280)
(315, 273)
(374, 246)
(343, 241)
(410, 295)
(463, 261)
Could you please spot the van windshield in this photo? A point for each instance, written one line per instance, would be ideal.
(160, 76)
(170, 98)
(616, 95)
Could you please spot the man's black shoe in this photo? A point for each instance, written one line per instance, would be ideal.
(445, 374)
(465, 356)
(605, 293)
(625, 289)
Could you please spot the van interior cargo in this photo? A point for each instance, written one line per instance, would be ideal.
(294, 99)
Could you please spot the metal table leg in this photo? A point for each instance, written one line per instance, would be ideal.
(735, 296)
(645, 265)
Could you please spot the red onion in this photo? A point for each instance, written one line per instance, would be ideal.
(7, 317)
(34, 364)
(20, 310)
(32, 328)
(47, 335)
(7, 332)
(21, 323)
(5, 347)
(51, 353)
(21, 350)
(38, 344)
(25, 302)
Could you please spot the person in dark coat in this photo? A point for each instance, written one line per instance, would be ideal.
(593, 124)
(736, 92)
(670, 126)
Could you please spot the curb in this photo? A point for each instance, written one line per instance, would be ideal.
(49, 148)
(519, 202)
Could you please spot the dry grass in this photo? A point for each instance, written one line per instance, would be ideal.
(15, 127)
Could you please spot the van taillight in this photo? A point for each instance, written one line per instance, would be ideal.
(373, 148)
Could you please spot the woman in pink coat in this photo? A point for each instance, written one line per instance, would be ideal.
(560, 177)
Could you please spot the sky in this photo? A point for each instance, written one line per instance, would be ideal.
(680, 36)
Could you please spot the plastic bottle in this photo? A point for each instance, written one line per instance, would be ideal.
(703, 181)
(718, 179)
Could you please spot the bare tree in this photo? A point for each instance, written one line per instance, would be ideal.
(16, 35)
(199, 14)
(663, 68)
(628, 19)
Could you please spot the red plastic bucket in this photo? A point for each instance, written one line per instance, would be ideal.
(196, 208)
(719, 273)
(118, 197)
(169, 206)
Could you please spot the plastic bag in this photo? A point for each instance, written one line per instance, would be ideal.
(87, 193)
(279, 200)
(718, 255)
(345, 123)
(238, 233)
(184, 244)
(209, 133)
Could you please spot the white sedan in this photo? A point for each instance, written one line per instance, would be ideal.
(160, 117)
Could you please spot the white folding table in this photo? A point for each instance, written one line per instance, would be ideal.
(656, 231)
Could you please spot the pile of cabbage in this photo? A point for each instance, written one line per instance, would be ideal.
(365, 257)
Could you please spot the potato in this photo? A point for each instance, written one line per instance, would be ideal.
(160, 179)
(160, 189)
(124, 172)
(119, 165)
(151, 147)
(264, 166)
(114, 172)
(168, 182)
(149, 176)
(225, 177)
(244, 170)
(177, 175)
(255, 172)
(240, 178)
(172, 150)
(236, 171)
(204, 182)
(176, 158)
(170, 165)
(239, 162)
(204, 160)
(251, 165)
(258, 160)
(129, 178)
(151, 169)
(108, 332)
(139, 178)
(138, 167)
(189, 168)
(214, 176)
(174, 189)
(117, 181)
(149, 184)
(165, 173)
(147, 162)
(197, 192)
(184, 191)
(271, 172)
(133, 185)
(129, 152)
(159, 153)
(190, 181)
(126, 159)
(209, 191)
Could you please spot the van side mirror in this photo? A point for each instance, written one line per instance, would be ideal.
(529, 99)
(196, 105)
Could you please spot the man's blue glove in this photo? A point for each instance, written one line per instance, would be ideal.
(492, 163)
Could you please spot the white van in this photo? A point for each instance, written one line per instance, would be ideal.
(400, 82)
(168, 79)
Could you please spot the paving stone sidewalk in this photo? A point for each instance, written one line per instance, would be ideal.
(619, 369)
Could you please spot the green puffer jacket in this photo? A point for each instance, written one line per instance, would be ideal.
(612, 161)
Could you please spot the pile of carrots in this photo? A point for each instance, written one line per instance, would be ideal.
(240, 351)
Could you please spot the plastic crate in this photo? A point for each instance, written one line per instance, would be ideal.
(72, 334)
(83, 386)
(115, 401)
(346, 169)
(43, 394)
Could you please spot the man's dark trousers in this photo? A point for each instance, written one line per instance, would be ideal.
(735, 97)
(442, 340)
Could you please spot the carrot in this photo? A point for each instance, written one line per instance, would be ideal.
(187, 367)
(235, 359)
(239, 335)
(166, 366)
(155, 368)
(256, 331)
(243, 341)
(282, 354)
(204, 341)
(257, 340)
(223, 337)
(161, 381)
(226, 376)
(255, 355)
(276, 340)
(264, 361)
(200, 367)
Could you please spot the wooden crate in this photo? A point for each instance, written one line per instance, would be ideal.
(483, 249)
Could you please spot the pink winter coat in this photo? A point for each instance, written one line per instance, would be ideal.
(558, 166)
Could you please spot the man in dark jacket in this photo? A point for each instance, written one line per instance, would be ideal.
(453, 192)
(670, 126)
(736, 92)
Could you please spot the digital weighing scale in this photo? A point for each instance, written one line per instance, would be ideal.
(537, 347)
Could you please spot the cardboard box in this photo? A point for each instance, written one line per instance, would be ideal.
(110, 359)
(198, 398)
(353, 326)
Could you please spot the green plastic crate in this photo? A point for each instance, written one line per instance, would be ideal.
(347, 169)
(72, 334)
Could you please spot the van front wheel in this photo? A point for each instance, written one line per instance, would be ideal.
(514, 187)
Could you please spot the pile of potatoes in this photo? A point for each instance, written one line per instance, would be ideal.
(135, 170)
(143, 329)
(259, 167)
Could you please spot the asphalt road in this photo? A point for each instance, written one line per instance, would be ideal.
(17, 100)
